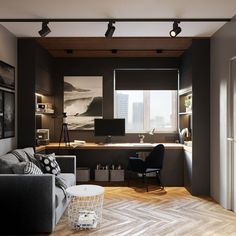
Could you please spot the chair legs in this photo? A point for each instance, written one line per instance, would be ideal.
(158, 177)
(145, 181)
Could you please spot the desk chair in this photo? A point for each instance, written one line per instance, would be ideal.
(152, 163)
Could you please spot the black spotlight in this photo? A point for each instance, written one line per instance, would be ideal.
(176, 29)
(110, 29)
(45, 29)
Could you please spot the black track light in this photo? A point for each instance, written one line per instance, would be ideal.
(176, 29)
(110, 29)
(45, 29)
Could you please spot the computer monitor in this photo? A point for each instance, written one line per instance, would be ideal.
(109, 127)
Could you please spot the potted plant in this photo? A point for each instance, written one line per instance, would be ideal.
(188, 103)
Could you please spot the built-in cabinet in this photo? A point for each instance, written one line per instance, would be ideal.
(194, 114)
(35, 75)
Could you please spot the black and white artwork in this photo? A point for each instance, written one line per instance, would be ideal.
(1, 114)
(82, 101)
(9, 115)
(7, 75)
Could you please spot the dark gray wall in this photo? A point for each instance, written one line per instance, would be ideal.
(195, 74)
(26, 93)
(35, 75)
(104, 67)
(201, 117)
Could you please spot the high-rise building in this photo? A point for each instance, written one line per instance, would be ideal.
(122, 106)
(138, 115)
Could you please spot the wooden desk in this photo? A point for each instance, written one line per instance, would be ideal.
(115, 146)
(90, 154)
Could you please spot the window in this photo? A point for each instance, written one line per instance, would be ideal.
(144, 110)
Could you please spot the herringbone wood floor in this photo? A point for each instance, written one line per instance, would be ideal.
(173, 212)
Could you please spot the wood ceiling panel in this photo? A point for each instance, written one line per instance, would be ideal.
(126, 46)
(108, 53)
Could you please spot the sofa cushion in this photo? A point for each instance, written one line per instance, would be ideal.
(32, 169)
(6, 162)
(49, 163)
(18, 168)
(69, 180)
(23, 154)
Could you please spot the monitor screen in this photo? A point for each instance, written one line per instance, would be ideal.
(109, 127)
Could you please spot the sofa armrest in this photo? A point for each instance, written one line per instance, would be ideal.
(67, 163)
(27, 203)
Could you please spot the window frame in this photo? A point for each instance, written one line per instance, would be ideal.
(177, 99)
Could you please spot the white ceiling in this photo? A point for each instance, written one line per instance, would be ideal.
(116, 9)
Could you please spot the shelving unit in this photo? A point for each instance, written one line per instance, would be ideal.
(44, 118)
(185, 114)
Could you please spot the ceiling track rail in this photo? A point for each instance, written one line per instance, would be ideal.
(115, 19)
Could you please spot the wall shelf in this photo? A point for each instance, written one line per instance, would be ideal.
(185, 113)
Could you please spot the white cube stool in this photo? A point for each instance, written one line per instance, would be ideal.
(85, 207)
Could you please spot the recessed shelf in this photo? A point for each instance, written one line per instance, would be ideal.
(186, 113)
(44, 113)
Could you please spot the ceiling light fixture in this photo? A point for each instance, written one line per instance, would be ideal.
(114, 51)
(45, 29)
(69, 51)
(159, 51)
(110, 29)
(176, 29)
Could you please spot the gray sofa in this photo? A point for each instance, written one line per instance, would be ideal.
(32, 203)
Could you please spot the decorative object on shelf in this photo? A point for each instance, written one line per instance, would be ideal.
(42, 136)
(82, 101)
(141, 138)
(82, 174)
(184, 135)
(102, 175)
(44, 108)
(188, 103)
(7, 75)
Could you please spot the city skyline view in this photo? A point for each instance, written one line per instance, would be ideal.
(145, 110)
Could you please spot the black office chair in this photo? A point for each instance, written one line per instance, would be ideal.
(152, 163)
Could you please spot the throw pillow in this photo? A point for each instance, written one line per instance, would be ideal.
(49, 163)
(32, 169)
(34, 160)
(20, 155)
(18, 168)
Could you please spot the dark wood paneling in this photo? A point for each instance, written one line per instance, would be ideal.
(186, 70)
(195, 74)
(43, 71)
(26, 97)
(34, 75)
(201, 117)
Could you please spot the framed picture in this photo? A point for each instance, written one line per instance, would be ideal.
(1, 114)
(82, 101)
(8, 114)
(7, 75)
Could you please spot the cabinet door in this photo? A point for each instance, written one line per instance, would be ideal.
(43, 81)
(188, 170)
